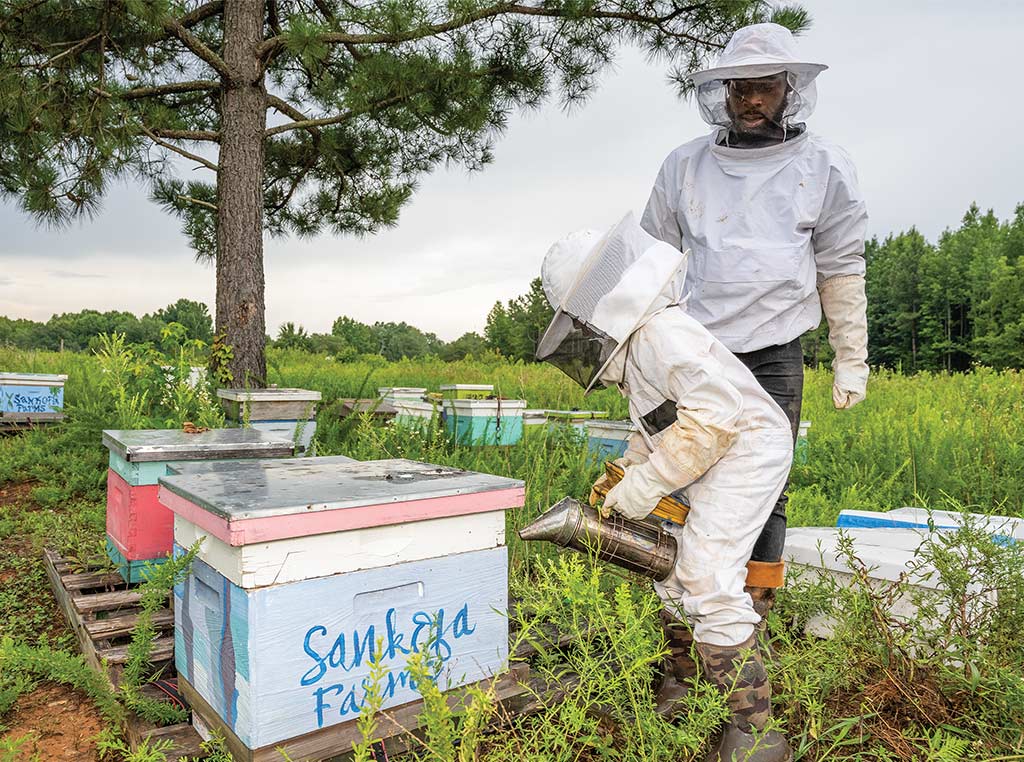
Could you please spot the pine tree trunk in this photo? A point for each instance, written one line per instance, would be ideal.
(240, 283)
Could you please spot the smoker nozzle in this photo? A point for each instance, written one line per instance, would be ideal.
(634, 545)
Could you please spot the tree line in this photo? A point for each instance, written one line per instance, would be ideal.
(942, 306)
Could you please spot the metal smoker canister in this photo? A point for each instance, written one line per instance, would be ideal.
(635, 545)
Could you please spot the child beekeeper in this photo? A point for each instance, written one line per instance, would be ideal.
(707, 431)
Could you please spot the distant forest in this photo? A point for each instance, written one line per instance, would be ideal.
(942, 306)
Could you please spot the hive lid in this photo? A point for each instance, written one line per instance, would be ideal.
(254, 464)
(616, 427)
(886, 552)
(468, 387)
(269, 395)
(147, 445)
(577, 415)
(319, 485)
(34, 379)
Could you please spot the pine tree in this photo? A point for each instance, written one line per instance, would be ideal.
(309, 115)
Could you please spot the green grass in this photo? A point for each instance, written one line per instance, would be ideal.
(930, 440)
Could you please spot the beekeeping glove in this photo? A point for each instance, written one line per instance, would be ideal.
(845, 306)
(636, 495)
(635, 453)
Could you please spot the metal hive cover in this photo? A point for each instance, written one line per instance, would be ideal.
(225, 466)
(142, 445)
(306, 485)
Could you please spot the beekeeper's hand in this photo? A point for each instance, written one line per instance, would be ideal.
(845, 307)
(637, 494)
(605, 482)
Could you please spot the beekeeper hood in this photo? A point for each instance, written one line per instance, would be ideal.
(603, 288)
(754, 56)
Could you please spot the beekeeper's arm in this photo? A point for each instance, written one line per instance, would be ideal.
(659, 218)
(838, 242)
(675, 357)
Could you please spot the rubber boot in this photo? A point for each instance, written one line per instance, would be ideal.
(678, 669)
(739, 672)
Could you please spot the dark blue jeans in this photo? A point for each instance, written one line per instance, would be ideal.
(780, 371)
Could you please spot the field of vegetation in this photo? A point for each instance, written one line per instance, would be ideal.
(870, 693)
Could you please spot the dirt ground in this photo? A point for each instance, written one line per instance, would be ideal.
(53, 722)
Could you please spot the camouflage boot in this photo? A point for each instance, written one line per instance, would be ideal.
(763, 599)
(678, 668)
(739, 672)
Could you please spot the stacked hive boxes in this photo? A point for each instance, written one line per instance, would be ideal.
(139, 528)
(36, 397)
(484, 422)
(286, 413)
(307, 564)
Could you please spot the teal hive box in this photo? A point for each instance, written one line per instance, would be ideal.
(608, 439)
(485, 422)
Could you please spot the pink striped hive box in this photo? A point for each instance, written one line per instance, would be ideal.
(139, 528)
(304, 565)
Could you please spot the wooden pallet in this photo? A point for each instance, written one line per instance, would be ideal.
(102, 610)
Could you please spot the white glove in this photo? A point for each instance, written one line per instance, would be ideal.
(845, 307)
(637, 494)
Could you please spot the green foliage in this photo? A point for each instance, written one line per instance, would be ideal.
(515, 330)
(80, 330)
(951, 305)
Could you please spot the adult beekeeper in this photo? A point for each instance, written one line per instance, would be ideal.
(775, 223)
(705, 428)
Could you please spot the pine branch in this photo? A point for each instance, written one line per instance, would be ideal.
(207, 135)
(309, 124)
(198, 202)
(202, 13)
(80, 45)
(286, 108)
(180, 151)
(196, 45)
(273, 45)
(172, 88)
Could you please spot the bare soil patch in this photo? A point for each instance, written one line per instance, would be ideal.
(56, 723)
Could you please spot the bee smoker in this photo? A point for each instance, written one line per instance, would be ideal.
(639, 546)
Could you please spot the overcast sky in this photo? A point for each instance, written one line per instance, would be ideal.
(925, 96)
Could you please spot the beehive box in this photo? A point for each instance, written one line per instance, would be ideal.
(401, 392)
(888, 553)
(1002, 528)
(139, 529)
(467, 391)
(287, 413)
(32, 396)
(485, 422)
(534, 423)
(608, 439)
(413, 412)
(279, 661)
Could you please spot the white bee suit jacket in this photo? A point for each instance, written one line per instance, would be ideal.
(766, 227)
(748, 441)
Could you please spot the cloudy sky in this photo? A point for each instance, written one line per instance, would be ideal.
(924, 95)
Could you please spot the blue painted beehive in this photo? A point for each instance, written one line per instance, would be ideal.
(484, 422)
(608, 439)
(32, 396)
(277, 662)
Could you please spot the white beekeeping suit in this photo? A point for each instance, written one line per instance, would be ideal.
(618, 322)
(776, 233)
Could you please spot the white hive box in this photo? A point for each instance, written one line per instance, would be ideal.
(888, 553)
(401, 392)
(288, 659)
(287, 413)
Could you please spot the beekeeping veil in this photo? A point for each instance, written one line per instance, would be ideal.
(758, 51)
(604, 288)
